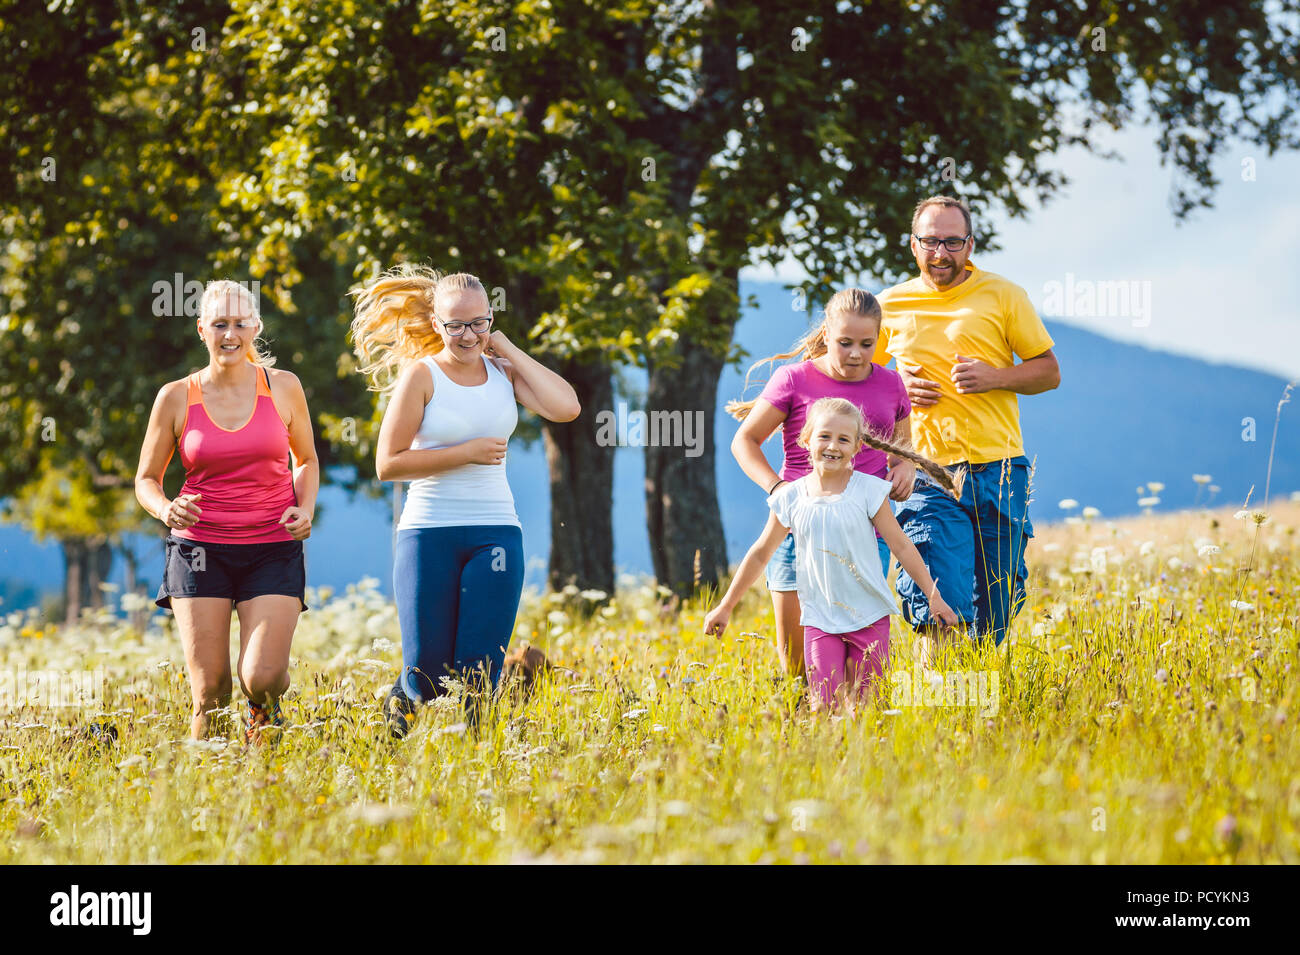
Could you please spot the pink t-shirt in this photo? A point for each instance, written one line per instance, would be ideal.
(794, 387)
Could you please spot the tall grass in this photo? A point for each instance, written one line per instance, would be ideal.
(1138, 719)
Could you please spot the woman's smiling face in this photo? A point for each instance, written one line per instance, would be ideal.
(229, 332)
(461, 307)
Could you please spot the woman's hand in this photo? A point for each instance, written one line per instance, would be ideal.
(902, 476)
(298, 522)
(485, 450)
(498, 344)
(182, 512)
(716, 622)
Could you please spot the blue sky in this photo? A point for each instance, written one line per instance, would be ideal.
(1221, 283)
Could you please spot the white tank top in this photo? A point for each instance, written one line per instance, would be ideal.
(472, 493)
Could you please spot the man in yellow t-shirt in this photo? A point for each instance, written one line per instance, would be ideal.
(955, 331)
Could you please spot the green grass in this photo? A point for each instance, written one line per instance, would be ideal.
(1139, 719)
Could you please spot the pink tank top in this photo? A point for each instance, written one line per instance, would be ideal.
(243, 475)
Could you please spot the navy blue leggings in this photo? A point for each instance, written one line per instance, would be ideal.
(457, 591)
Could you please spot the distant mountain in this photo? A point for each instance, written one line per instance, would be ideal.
(1124, 416)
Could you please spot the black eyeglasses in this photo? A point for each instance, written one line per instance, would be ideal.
(478, 326)
(931, 242)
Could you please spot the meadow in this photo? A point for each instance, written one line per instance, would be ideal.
(1142, 711)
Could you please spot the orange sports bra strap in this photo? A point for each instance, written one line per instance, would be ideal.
(194, 391)
(264, 383)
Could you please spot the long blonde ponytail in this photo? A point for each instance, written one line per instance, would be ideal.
(950, 481)
(394, 323)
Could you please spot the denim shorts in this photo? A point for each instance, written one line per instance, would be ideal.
(974, 548)
(781, 575)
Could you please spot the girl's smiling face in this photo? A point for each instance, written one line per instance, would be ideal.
(850, 343)
(833, 443)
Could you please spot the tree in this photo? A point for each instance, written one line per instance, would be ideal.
(108, 239)
(812, 130)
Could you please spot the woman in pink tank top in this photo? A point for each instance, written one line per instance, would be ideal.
(237, 525)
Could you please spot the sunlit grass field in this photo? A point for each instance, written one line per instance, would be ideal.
(1142, 712)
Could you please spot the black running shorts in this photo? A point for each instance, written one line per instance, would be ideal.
(236, 571)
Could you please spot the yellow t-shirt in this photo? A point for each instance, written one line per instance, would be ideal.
(985, 317)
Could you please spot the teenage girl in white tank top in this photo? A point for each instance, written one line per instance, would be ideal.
(458, 566)
(472, 493)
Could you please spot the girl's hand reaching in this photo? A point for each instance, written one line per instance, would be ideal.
(940, 609)
(716, 622)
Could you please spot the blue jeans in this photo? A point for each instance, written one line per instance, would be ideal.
(973, 548)
(457, 591)
(780, 569)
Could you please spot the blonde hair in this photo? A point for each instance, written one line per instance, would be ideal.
(393, 323)
(849, 301)
(950, 481)
(218, 296)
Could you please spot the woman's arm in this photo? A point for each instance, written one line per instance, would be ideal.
(156, 453)
(537, 388)
(747, 446)
(910, 558)
(747, 573)
(306, 471)
(394, 459)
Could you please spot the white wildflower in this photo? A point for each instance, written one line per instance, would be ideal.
(1068, 504)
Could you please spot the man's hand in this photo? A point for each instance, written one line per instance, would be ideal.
(921, 391)
(974, 377)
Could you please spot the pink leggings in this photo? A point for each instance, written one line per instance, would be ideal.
(829, 656)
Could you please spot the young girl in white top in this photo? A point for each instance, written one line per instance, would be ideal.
(844, 600)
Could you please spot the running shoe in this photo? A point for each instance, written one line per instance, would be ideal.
(399, 712)
(260, 718)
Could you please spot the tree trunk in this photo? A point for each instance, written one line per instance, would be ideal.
(99, 564)
(138, 619)
(682, 515)
(582, 485)
(74, 575)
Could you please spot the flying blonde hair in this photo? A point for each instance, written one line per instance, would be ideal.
(218, 297)
(393, 321)
(849, 301)
(950, 481)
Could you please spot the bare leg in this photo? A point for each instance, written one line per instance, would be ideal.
(266, 626)
(204, 625)
(789, 633)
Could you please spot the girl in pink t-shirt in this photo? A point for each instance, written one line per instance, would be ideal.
(833, 361)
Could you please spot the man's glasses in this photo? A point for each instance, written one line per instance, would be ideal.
(930, 242)
(478, 326)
